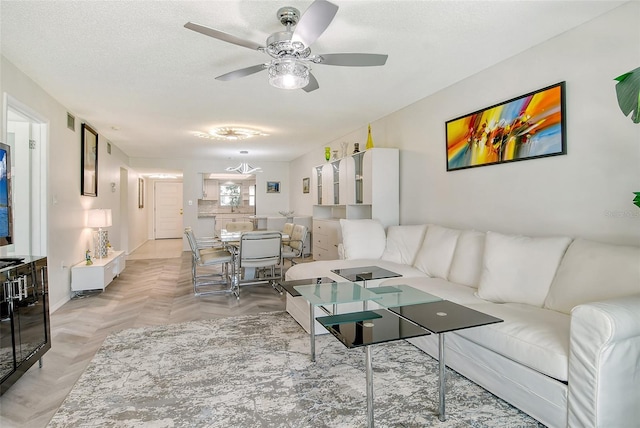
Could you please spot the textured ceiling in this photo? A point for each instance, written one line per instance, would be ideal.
(131, 69)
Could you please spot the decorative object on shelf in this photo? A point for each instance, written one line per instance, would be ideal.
(527, 127)
(327, 153)
(273, 187)
(100, 218)
(89, 162)
(335, 155)
(140, 193)
(369, 139)
(345, 149)
(244, 168)
(87, 258)
(628, 94)
(356, 148)
(305, 185)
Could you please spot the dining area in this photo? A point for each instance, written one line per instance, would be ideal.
(239, 255)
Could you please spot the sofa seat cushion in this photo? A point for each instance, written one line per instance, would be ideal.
(323, 268)
(446, 290)
(535, 337)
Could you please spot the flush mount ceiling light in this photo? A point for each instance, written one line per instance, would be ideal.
(231, 133)
(244, 168)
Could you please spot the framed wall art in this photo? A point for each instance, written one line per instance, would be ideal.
(89, 162)
(305, 185)
(527, 127)
(273, 187)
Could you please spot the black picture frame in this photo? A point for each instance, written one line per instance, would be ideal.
(305, 185)
(89, 162)
(529, 126)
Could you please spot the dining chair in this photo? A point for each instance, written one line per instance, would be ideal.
(295, 247)
(209, 257)
(287, 230)
(260, 252)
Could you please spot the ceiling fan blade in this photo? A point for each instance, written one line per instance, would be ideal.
(353, 59)
(207, 31)
(236, 74)
(312, 85)
(314, 21)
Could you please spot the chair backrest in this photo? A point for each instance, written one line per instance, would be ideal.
(287, 230)
(192, 242)
(298, 236)
(239, 226)
(260, 249)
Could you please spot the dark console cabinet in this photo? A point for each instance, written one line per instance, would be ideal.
(24, 316)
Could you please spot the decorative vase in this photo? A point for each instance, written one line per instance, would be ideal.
(356, 148)
(345, 148)
(327, 153)
(369, 140)
(335, 155)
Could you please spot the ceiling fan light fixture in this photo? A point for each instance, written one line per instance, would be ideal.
(288, 74)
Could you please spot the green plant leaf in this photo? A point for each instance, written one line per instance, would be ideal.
(628, 93)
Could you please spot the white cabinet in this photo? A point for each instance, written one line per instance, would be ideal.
(326, 237)
(99, 274)
(364, 185)
(210, 190)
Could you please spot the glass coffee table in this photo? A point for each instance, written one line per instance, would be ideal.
(325, 294)
(367, 328)
(440, 317)
(365, 273)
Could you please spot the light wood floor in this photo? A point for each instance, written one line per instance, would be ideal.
(150, 291)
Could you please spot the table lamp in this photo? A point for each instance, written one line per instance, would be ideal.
(100, 218)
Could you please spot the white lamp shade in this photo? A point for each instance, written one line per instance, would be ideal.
(99, 218)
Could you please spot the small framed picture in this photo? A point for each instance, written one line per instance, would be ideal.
(305, 185)
(273, 187)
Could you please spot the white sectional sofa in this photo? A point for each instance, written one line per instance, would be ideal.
(568, 351)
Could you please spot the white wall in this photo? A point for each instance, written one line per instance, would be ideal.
(68, 238)
(586, 193)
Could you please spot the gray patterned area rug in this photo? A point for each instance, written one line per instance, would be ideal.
(255, 371)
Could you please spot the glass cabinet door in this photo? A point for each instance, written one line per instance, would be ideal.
(357, 158)
(7, 357)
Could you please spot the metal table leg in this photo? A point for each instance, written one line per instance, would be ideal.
(367, 353)
(441, 378)
(312, 332)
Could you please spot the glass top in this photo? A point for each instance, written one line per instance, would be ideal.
(401, 295)
(443, 316)
(370, 327)
(337, 292)
(365, 273)
(288, 285)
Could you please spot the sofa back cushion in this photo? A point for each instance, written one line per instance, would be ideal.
(466, 266)
(519, 269)
(436, 253)
(592, 271)
(403, 243)
(362, 239)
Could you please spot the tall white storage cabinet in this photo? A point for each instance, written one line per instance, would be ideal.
(364, 185)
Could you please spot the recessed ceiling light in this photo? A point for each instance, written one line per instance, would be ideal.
(231, 133)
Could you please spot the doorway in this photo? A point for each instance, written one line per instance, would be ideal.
(27, 137)
(168, 210)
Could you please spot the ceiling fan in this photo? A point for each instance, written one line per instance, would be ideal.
(290, 49)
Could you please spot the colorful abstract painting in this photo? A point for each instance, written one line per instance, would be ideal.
(530, 126)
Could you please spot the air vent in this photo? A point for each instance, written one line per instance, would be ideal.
(71, 122)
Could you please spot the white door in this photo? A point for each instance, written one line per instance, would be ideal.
(168, 210)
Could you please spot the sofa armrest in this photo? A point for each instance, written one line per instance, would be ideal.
(604, 364)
